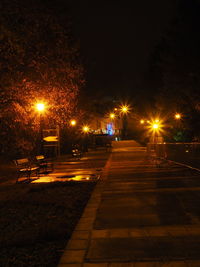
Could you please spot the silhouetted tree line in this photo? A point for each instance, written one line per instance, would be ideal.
(39, 62)
(175, 72)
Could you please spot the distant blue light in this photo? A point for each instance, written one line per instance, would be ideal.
(110, 130)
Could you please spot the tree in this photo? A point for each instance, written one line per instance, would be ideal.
(177, 61)
(39, 62)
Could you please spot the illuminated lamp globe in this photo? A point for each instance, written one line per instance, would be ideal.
(112, 115)
(85, 129)
(40, 107)
(177, 116)
(155, 126)
(73, 122)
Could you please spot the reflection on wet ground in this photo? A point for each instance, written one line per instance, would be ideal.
(66, 168)
(63, 177)
(88, 168)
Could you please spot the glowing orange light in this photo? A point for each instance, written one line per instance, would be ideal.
(142, 121)
(155, 129)
(155, 126)
(112, 115)
(177, 116)
(73, 122)
(125, 109)
(40, 107)
(85, 129)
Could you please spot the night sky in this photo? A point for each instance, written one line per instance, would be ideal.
(117, 38)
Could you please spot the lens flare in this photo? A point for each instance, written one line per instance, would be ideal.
(40, 107)
(85, 128)
(124, 109)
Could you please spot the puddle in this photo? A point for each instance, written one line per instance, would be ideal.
(67, 178)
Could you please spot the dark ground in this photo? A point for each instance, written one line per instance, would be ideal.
(37, 219)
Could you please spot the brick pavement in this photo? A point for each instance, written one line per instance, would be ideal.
(139, 215)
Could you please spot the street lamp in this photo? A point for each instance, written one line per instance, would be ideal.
(156, 129)
(40, 107)
(177, 116)
(73, 122)
(124, 109)
(112, 115)
(73, 133)
(85, 129)
(155, 126)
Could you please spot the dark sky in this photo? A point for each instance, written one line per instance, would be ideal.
(117, 38)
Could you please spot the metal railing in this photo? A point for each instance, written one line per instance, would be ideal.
(185, 153)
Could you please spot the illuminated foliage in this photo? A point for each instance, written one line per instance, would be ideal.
(39, 62)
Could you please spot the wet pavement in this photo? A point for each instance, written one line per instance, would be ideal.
(88, 168)
(141, 214)
(67, 168)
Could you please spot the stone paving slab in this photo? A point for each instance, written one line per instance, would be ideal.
(172, 230)
(145, 248)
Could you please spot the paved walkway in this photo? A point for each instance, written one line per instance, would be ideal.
(139, 215)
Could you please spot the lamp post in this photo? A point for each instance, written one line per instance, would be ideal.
(114, 121)
(40, 107)
(155, 128)
(85, 130)
(73, 137)
(124, 110)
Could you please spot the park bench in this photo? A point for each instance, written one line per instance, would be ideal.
(25, 168)
(45, 165)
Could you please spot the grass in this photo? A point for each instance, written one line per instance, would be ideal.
(37, 221)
